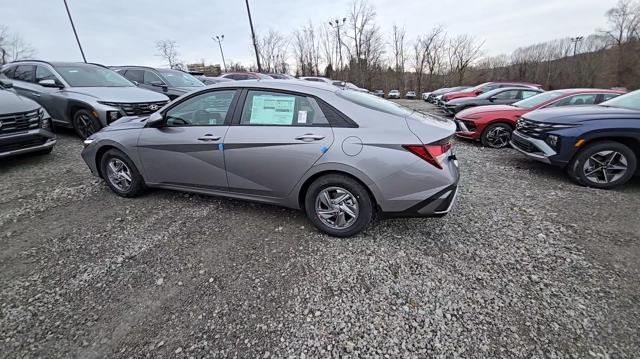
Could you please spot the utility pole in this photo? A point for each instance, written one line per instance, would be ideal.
(575, 41)
(336, 24)
(253, 36)
(219, 40)
(74, 31)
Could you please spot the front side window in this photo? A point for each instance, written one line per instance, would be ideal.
(206, 109)
(84, 75)
(24, 73)
(279, 109)
(587, 99)
(151, 78)
(43, 73)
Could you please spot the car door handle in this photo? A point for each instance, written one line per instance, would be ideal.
(35, 94)
(209, 138)
(308, 137)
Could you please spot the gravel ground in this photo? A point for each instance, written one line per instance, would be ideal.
(527, 265)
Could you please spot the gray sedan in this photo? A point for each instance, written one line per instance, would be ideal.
(339, 155)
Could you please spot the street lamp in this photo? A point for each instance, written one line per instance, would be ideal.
(575, 41)
(219, 40)
(337, 24)
(74, 30)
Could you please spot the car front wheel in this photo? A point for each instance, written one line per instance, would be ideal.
(85, 123)
(497, 135)
(121, 174)
(338, 205)
(603, 165)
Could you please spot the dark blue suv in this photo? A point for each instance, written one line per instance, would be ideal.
(598, 145)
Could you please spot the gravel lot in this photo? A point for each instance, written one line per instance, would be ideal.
(527, 265)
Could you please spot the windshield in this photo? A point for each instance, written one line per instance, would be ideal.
(180, 79)
(91, 76)
(630, 101)
(374, 102)
(537, 100)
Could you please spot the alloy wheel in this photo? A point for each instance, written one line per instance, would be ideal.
(85, 125)
(336, 207)
(605, 167)
(119, 174)
(498, 137)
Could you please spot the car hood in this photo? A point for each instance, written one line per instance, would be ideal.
(12, 103)
(574, 114)
(119, 94)
(127, 123)
(482, 110)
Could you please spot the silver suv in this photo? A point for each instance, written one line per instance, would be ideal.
(85, 97)
(340, 155)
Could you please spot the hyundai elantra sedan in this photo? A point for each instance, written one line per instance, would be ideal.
(340, 155)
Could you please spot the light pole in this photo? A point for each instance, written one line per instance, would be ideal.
(336, 24)
(575, 41)
(74, 30)
(253, 36)
(219, 40)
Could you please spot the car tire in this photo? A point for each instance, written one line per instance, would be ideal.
(496, 135)
(357, 201)
(120, 174)
(583, 168)
(85, 123)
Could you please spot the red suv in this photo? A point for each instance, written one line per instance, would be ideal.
(487, 86)
(492, 125)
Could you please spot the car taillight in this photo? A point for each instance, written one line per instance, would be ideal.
(430, 152)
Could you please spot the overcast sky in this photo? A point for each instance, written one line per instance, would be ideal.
(123, 32)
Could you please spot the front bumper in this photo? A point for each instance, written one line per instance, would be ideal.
(19, 143)
(532, 147)
(463, 130)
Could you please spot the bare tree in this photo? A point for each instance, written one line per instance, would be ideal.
(13, 47)
(168, 51)
(462, 52)
(329, 50)
(364, 36)
(273, 49)
(306, 47)
(398, 49)
(434, 44)
(624, 21)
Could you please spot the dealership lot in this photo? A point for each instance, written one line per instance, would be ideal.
(526, 265)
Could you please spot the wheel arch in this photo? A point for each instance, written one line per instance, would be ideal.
(73, 106)
(301, 193)
(633, 142)
(503, 121)
(113, 146)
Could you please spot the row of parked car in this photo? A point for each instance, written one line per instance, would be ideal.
(592, 133)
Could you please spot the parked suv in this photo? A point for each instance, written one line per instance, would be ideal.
(173, 83)
(597, 145)
(25, 127)
(85, 97)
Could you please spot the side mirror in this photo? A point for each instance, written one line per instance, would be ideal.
(48, 83)
(155, 120)
(136, 83)
(493, 98)
(157, 84)
(6, 84)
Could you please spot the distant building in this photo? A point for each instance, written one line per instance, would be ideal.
(207, 70)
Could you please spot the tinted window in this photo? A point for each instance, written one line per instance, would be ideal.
(43, 73)
(207, 109)
(608, 96)
(180, 79)
(82, 75)
(134, 75)
(8, 72)
(150, 77)
(24, 73)
(272, 108)
(587, 99)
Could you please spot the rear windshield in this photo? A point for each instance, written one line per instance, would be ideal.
(91, 76)
(374, 102)
(180, 79)
(537, 100)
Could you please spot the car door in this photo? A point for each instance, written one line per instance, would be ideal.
(506, 97)
(187, 150)
(48, 97)
(276, 138)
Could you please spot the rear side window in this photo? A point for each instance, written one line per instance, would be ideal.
(279, 109)
(588, 99)
(608, 96)
(134, 75)
(8, 72)
(25, 73)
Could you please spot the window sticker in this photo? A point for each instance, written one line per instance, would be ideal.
(302, 116)
(272, 110)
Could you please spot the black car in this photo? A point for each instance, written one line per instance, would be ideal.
(25, 127)
(598, 145)
(500, 96)
(173, 83)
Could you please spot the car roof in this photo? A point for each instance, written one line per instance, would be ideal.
(56, 63)
(281, 84)
(588, 90)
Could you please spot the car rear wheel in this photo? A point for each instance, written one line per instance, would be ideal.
(497, 135)
(338, 205)
(121, 174)
(603, 165)
(85, 124)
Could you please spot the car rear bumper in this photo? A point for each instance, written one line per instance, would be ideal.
(26, 142)
(437, 205)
